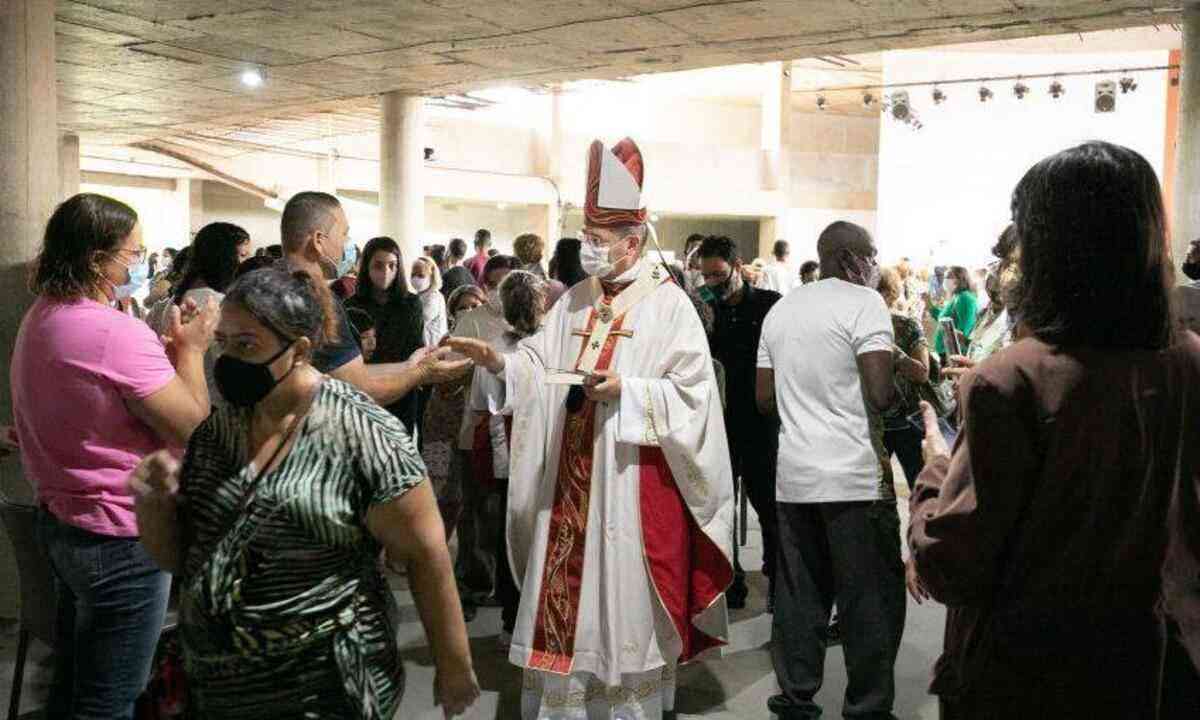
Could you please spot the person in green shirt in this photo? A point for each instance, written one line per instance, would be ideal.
(962, 307)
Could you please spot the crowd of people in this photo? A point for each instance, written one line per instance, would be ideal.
(269, 433)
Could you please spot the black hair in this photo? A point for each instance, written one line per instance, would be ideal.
(290, 304)
(567, 267)
(214, 258)
(249, 265)
(483, 237)
(365, 290)
(809, 266)
(82, 229)
(304, 214)
(780, 249)
(500, 262)
(719, 246)
(361, 320)
(458, 249)
(1092, 234)
(437, 253)
(1006, 243)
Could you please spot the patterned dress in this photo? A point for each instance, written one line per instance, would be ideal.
(282, 604)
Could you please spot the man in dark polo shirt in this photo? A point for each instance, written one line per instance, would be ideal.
(314, 229)
(739, 309)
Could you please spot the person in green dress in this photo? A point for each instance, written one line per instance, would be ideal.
(275, 522)
(961, 306)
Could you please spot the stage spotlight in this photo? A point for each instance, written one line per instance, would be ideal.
(868, 100)
(1020, 90)
(985, 93)
(900, 108)
(1106, 96)
(1057, 90)
(939, 97)
(1128, 85)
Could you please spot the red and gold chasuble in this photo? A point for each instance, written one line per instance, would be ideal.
(688, 570)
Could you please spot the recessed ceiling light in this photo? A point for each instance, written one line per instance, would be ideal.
(253, 77)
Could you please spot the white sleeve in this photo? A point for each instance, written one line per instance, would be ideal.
(662, 409)
(764, 348)
(872, 327)
(435, 322)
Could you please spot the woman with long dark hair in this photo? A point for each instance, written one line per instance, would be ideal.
(383, 292)
(93, 392)
(961, 307)
(1061, 531)
(216, 252)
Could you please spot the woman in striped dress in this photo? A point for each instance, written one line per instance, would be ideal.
(275, 522)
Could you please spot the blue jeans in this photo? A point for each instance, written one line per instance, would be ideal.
(112, 600)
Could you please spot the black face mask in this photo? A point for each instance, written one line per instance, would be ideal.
(1192, 270)
(245, 384)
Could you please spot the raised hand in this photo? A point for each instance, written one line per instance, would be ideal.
(191, 325)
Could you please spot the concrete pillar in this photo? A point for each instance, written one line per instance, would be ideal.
(68, 166)
(28, 191)
(1186, 225)
(775, 128)
(401, 168)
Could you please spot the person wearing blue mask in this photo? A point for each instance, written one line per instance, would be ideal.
(94, 391)
(314, 232)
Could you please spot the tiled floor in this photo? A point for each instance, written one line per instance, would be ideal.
(735, 686)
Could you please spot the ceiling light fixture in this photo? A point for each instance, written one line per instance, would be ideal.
(868, 100)
(939, 97)
(899, 104)
(1020, 90)
(821, 103)
(985, 93)
(254, 77)
(1057, 90)
(1128, 85)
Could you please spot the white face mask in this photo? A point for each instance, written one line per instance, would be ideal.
(420, 284)
(597, 260)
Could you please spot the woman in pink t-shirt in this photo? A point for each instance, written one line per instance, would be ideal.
(94, 391)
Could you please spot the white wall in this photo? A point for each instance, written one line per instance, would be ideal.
(945, 190)
(163, 219)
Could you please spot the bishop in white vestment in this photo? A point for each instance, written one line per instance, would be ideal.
(620, 496)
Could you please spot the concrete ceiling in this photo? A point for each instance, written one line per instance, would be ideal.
(131, 70)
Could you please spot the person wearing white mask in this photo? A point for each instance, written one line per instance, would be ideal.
(382, 292)
(427, 284)
(620, 506)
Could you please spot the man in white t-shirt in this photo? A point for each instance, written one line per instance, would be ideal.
(824, 356)
(777, 275)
